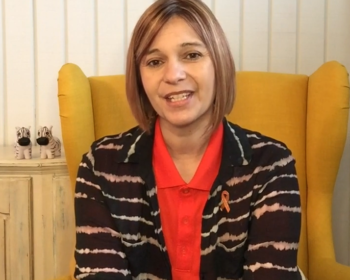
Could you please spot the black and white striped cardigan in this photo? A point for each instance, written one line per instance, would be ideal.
(119, 233)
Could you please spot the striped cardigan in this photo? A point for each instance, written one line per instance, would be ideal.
(119, 233)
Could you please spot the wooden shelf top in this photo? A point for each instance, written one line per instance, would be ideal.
(7, 159)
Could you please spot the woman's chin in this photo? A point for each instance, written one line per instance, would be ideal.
(176, 121)
(183, 121)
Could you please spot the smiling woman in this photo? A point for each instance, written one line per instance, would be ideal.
(185, 194)
(204, 38)
(178, 78)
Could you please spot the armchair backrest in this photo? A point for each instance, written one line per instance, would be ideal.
(308, 113)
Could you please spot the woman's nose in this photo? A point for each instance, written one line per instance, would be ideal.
(174, 72)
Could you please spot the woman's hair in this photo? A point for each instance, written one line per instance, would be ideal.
(204, 23)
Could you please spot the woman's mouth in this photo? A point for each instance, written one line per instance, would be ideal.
(178, 97)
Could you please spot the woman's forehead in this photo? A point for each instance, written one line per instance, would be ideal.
(176, 32)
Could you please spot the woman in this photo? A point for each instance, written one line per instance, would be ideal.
(186, 194)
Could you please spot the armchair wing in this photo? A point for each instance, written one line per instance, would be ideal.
(76, 114)
(327, 120)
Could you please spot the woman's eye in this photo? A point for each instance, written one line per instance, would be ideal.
(193, 56)
(154, 63)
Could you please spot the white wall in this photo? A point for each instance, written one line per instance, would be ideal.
(38, 36)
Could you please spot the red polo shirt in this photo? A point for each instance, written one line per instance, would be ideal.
(181, 204)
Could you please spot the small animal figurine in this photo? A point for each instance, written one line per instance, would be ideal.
(23, 144)
(50, 146)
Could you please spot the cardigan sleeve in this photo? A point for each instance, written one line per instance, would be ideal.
(98, 251)
(275, 220)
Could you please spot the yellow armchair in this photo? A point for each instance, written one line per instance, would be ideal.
(308, 113)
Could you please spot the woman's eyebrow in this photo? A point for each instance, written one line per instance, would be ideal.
(182, 45)
(193, 44)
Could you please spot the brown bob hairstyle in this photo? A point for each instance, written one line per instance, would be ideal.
(204, 23)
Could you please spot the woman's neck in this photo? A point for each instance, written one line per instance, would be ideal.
(185, 142)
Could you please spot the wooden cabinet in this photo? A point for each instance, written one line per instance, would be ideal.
(36, 217)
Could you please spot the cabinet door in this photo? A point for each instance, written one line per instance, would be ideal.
(53, 212)
(15, 228)
(64, 225)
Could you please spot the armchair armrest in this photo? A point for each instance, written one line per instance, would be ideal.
(64, 278)
(328, 268)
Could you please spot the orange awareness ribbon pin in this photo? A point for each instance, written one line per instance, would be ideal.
(224, 201)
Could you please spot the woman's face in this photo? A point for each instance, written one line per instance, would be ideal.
(178, 76)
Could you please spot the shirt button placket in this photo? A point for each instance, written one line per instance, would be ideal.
(185, 229)
(185, 191)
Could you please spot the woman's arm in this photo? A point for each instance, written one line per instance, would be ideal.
(275, 222)
(98, 251)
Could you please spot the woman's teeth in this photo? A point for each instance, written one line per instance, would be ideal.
(179, 97)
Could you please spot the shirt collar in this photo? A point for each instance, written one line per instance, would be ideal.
(138, 146)
(167, 175)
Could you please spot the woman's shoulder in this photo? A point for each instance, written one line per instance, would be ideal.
(269, 151)
(259, 139)
(115, 147)
(261, 146)
(121, 138)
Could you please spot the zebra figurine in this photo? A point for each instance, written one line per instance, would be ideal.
(23, 144)
(50, 146)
